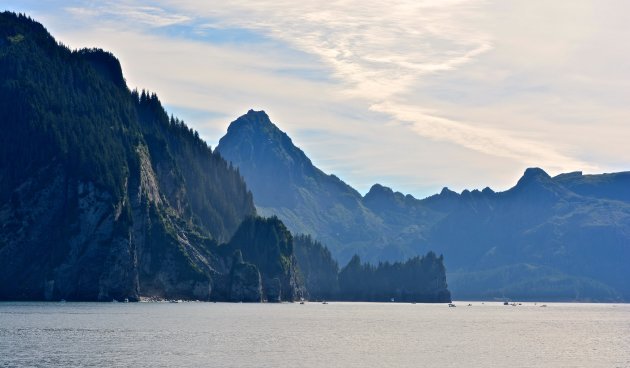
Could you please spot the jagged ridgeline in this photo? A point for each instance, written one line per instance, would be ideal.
(102, 195)
(548, 238)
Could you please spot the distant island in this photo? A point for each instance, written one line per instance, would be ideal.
(104, 197)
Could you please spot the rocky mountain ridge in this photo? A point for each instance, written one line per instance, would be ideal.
(565, 237)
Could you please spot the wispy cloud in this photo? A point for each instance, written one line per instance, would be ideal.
(481, 139)
(415, 94)
(152, 16)
(380, 52)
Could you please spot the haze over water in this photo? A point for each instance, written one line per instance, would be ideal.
(314, 335)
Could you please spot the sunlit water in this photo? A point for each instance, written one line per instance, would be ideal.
(314, 335)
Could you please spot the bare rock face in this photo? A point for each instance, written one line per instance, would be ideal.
(63, 238)
(245, 285)
(60, 242)
(274, 290)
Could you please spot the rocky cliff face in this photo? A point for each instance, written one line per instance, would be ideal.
(102, 195)
(245, 280)
(269, 245)
(53, 235)
(64, 238)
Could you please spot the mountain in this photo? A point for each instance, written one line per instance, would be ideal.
(566, 245)
(565, 237)
(103, 196)
(285, 183)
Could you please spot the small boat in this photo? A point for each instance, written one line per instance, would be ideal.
(451, 305)
(302, 302)
(470, 305)
(506, 303)
(324, 302)
(126, 300)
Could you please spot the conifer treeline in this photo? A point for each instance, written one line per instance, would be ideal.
(73, 109)
(418, 279)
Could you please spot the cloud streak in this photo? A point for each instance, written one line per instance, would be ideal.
(143, 14)
(487, 141)
(379, 52)
(414, 94)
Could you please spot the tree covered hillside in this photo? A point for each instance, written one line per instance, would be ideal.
(102, 195)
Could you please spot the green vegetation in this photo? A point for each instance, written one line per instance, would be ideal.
(104, 193)
(57, 108)
(419, 279)
(73, 108)
(268, 244)
(318, 268)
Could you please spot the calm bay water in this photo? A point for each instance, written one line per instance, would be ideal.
(314, 335)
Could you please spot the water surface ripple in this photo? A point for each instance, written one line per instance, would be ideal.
(314, 335)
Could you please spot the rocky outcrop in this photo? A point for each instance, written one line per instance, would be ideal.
(268, 244)
(245, 281)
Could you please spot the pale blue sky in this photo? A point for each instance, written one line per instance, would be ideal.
(415, 95)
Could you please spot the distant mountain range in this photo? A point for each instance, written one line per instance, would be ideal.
(563, 238)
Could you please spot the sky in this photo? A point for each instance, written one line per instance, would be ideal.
(415, 95)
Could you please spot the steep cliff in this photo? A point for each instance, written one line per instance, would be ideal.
(102, 195)
(268, 244)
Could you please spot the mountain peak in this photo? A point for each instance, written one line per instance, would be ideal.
(254, 127)
(539, 185)
(379, 190)
(533, 174)
(253, 118)
(257, 114)
(487, 191)
(446, 192)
